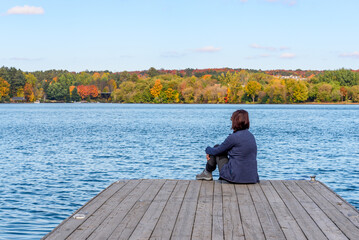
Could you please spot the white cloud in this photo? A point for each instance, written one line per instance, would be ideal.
(287, 55)
(25, 10)
(354, 54)
(208, 49)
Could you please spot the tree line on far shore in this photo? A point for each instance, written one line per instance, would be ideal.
(155, 86)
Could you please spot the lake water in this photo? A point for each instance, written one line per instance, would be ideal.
(56, 157)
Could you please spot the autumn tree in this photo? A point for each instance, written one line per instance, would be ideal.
(156, 89)
(324, 92)
(87, 91)
(300, 92)
(276, 91)
(29, 93)
(124, 93)
(112, 85)
(4, 89)
(252, 89)
(83, 91)
(353, 93)
(343, 93)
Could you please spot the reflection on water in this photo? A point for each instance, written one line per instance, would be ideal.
(55, 157)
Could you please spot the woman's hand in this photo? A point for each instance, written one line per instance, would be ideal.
(208, 157)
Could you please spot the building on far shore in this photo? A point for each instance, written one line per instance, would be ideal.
(17, 99)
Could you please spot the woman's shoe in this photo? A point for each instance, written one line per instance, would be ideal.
(205, 175)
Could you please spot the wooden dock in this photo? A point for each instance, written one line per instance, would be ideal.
(183, 209)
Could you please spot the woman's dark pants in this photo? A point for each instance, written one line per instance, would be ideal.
(216, 160)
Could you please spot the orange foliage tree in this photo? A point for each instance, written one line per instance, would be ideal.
(93, 91)
(29, 93)
(86, 91)
(156, 89)
(4, 88)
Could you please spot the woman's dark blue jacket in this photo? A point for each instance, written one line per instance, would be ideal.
(242, 154)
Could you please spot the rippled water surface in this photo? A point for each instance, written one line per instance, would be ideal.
(56, 157)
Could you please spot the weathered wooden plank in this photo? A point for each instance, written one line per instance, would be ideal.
(251, 225)
(139, 208)
(265, 213)
(330, 230)
(178, 209)
(165, 224)
(149, 220)
(232, 224)
(70, 224)
(217, 223)
(134, 188)
(202, 228)
(345, 225)
(306, 223)
(345, 208)
(285, 219)
(184, 224)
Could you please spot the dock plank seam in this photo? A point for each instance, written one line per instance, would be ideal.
(164, 205)
(266, 204)
(189, 206)
(329, 228)
(255, 208)
(300, 224)
(173, 199)
(239, 212)
(195, 213)
(184, 195)
(106, 216)
(132, 209)
(336, 219)
(355, 219)
(97, 197)
(284, 217)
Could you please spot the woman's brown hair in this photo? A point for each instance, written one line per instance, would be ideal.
(240, 120)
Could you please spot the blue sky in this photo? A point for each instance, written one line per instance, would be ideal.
(120, 35)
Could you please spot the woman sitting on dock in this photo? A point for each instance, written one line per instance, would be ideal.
(236, 157)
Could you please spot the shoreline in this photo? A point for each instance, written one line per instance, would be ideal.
(305, 103)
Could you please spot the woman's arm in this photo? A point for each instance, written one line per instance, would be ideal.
(224, 147)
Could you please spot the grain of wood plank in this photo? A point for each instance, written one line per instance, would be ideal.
(330, 230)
(149, 220)
(232, 224)
(133, 217)
(285, 219)
(165, 224)
(347, 210)
(70, 224)
(217, 223)
(108, 224)
(184, 224)
(268, 220)
(345, 225)
(306, 223)
(251, 225)
(96, 219)
(202, 228)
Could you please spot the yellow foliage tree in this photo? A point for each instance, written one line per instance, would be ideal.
(156, 89)
(252, 89)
